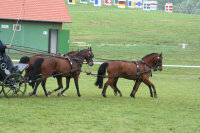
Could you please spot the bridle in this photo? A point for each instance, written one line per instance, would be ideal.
(90, 56)
(156, 64)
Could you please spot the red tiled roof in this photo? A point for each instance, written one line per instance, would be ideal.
(36, 10)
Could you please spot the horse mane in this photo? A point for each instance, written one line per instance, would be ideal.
(24, 60)
(80, 53)
(149, 55)
(121, 60)
(70, 52)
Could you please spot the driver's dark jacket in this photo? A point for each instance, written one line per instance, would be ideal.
(2, 48)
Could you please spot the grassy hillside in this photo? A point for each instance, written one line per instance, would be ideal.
(133, 33)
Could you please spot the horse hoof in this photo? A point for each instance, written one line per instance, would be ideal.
(115, 93)
(48, 96)
(30, 94)
(49, 93)
(155, 95)
(64, 94)
(59, 94)
(79, 96)
(132, 95)
(104, 95)
(120, 95)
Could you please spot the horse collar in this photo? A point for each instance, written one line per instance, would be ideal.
(138, 67)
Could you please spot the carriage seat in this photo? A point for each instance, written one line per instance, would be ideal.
(20, 68)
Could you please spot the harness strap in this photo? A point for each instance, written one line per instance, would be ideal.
(143, 66)
(138, 68)
(119, 70)
(70, 61)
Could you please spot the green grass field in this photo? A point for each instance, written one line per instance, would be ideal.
(119, 34)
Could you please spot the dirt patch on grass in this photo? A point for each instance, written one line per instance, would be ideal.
(118, 45)
(81, 44)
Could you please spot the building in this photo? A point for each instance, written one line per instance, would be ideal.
(40, 24)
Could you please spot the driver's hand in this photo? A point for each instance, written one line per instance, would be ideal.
(8, 46)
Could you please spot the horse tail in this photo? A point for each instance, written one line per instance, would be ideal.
(101, 73)
(24, 60)
(36, 67)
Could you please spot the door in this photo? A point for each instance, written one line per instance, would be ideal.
(63, 46)
(53, 41)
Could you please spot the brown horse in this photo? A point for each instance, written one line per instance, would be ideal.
(61, 67)
(31, 60)
(140, 71)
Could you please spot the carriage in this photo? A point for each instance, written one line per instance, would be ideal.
(13, 84)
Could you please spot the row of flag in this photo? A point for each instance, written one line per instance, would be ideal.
(146, 5)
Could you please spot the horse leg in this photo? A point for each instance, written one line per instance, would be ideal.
(77, 87)
(44, 88)
(149, 84)
(60, 85)
(109, 82)
(151, 93)
(35, 88)
(114, 89)
(67, 86)
(135, 88)
(114, 86)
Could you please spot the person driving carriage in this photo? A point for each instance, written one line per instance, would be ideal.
(5, 58)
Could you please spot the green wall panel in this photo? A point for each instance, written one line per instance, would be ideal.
(31, 35)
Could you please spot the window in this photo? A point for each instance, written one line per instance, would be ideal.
(16, 27)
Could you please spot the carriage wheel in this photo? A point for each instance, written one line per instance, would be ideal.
(14, 85)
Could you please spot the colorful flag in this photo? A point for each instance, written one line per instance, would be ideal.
(115, 2)
(107, 2)
(97, 2)
(153, 5)
(72, 2)
(83, 1)
(131, 3)
(121, 3)
(168, 7)
(147, 5)
(138, 3)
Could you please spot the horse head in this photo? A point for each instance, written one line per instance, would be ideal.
(89, 57)
(157, 63)
(154, 60)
